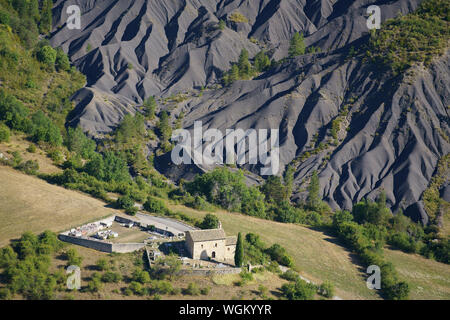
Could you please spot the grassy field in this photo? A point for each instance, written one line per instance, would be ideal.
(30, 204)
(18, 143)
(318, 256)
(428, 279)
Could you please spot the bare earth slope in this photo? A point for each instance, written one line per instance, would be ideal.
(392, 137)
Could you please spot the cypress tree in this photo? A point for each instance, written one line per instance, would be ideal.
(239, 253)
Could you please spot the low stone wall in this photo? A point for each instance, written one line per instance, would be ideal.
(88, 243)
(205, 272)
(127, 247)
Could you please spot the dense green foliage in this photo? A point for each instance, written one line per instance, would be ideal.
(244, 69)
(414, 38)
(26, 265)
(228, 190)
(365, 230)
(210, 221)
(299, 290)
(297, 46)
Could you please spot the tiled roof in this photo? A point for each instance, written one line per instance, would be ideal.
(207, 235)
(229, 241)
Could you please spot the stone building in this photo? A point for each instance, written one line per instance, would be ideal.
(211, 244)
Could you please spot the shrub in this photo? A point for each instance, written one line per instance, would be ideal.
(238, 17)
(73, 258)
(192, 289)
(290, 275)
(102, 264)
(155, 205)
(210, 221)
(137, 288)
(4, 133)
(205, 291)
(326, 289)
(47, 55)
(110, 276)
(300, 290)
(31, 148)
(141, 276)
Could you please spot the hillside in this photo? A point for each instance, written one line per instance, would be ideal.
(30, 204)
(20, 212)
(364, 129)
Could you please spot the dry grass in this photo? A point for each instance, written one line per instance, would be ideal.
(30, 204)
(19, 143)
(318, 256)
(428, 279)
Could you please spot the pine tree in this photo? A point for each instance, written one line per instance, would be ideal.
(313, 199)
(297, 45)
(262, 61)
(234, 73)
(239, 253)
(150, 107)
(243, 64)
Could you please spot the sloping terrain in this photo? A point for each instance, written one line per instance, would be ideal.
(30, 204)
(392, 131)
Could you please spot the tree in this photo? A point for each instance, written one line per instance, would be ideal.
(150, 107)
(62, 60)
(221, 25)
(313, 200)
(297, 45)
(273, 189)
(234, 73)
(289, 181)
(78, 142)
(239, 253)
(262, 62)
(243, 64)
(4, 133)
(47, 55)
(46, 16)
(210, 221)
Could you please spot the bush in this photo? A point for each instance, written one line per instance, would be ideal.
(4, 133)
(30, 167)
(47, 55)
(278, 254)
(155, 205)
(192, 289)
(73, 258)
(290, 275)
(210, 221)
(102, 264)
(31, 148)
(300, 290)
(111, 277)
(95, 284)
(137, 288)
(141, 276)
(326, 289)
(205, 291)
